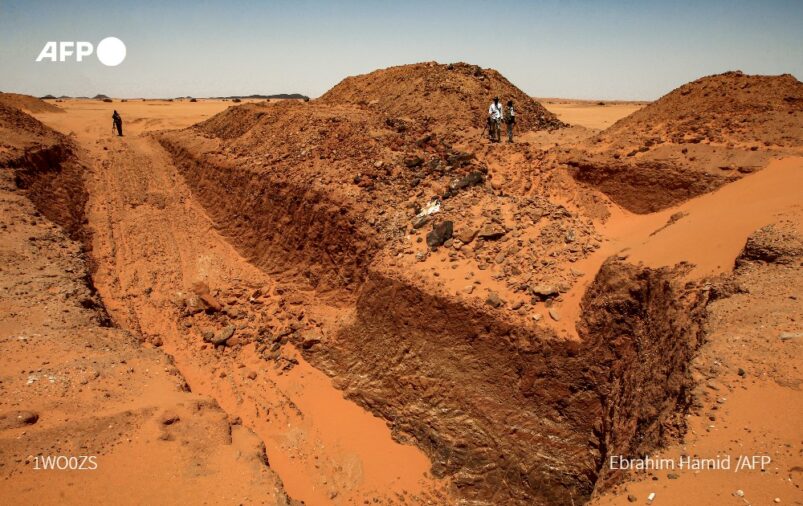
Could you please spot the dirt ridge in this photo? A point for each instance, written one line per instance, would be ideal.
(695, 139)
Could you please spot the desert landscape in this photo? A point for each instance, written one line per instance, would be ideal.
(360, 299)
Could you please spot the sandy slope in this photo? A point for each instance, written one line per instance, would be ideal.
(596, 115)
(72, 387)
(749, 397)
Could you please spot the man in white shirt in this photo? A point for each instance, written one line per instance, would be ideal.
(494, 120)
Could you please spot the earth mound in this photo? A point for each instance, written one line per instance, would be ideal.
(693, 140)
(456, 95)
(27, 103)
(20, 132)
(453, 279)
(730, 108)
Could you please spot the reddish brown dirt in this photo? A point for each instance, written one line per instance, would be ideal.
(153, 245)
(692, 140)
(452, 96)
(553, 330)
(747, 398)
(344, 176)
(72, 387)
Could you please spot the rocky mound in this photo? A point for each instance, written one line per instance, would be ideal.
(389, 177)
(28, 103)
(453, 277)
(731, 108)
(693, 140)
(455, 95)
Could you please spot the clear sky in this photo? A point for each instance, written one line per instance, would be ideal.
(626, 49)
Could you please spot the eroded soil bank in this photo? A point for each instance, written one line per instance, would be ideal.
(86, 412)
(509, 413)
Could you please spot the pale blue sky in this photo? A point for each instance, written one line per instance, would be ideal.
(624, 49)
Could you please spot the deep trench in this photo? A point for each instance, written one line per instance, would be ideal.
(511, 415)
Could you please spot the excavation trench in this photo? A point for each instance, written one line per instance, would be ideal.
(512, 414)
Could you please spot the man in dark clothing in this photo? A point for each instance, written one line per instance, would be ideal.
(510, 119)
(118, 123)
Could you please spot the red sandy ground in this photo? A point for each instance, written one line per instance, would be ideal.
(152, 240)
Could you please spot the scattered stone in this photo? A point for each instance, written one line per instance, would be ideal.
(310, 339)
(553, 313)
(491, 231)
(224, 335)
(494, 300)
(544, 292)
(739, 493)
(631, 498)
(460, 158)
(420, 221)
(251, 375)
(672, 476)
(439, 234)
(471, 179)
(537, 317)
(788, 336)
(210, 303)
(169, 418)
(15, 419)
(466, 235)
(468, 289)
(413, 161)
(27, 417)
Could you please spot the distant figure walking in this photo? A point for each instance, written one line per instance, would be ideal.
(117, 123)
(494, 120)
(510, 119)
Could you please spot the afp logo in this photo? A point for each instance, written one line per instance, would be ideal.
(110, 51)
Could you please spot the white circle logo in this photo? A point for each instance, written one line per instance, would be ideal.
(111, 51)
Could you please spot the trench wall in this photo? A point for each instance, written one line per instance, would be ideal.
(513, 415)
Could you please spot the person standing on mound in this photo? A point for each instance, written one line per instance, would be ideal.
(494, 120)
(510, 120)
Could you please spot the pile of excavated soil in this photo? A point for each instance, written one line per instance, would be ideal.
(693, 140)
(453, 96)
(447, 262)
(28, 103)
(374, 180)
(731, 108)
